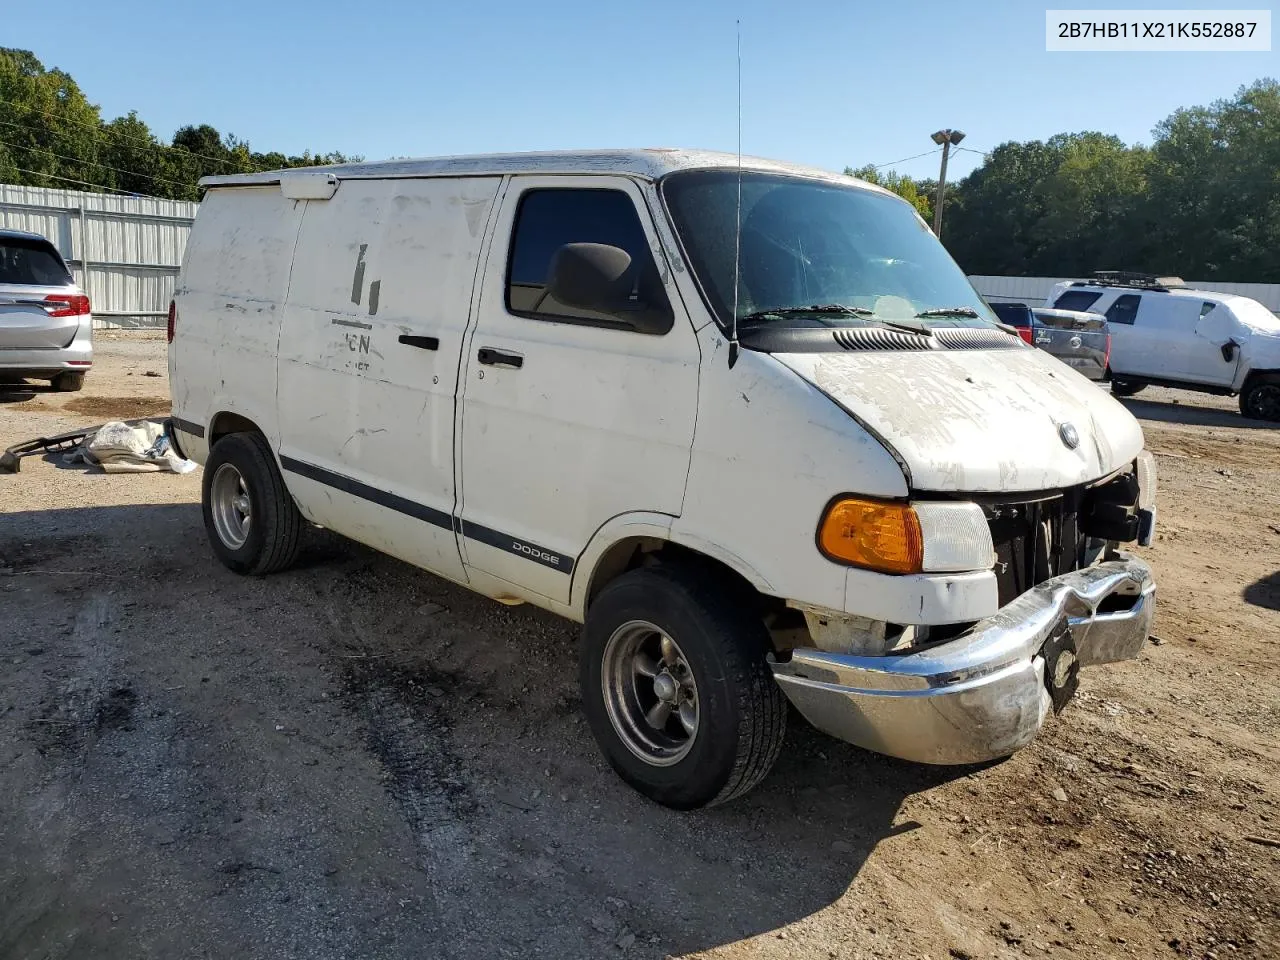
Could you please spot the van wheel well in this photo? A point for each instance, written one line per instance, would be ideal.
(634, 553)
(227, 423)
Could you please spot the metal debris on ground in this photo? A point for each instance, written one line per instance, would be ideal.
(11, 459)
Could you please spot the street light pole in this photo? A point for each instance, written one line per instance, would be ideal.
(946, 138)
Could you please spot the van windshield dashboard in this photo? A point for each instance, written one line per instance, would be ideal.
(813, 253)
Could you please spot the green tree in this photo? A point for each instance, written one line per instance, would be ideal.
(912, 191)
(1214, 197)
(46, 124)
(51, 135)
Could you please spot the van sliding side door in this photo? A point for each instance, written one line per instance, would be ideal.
(378, 307)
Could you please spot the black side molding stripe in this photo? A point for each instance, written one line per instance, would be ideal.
(419, 511)
(438, 518)
(521, 548)
(186, 426)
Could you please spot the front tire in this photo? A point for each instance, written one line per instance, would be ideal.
(1260, 399)
(249, 514)
(1126, 388)
(676, 688)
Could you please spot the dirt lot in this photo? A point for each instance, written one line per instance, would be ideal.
(354, 759)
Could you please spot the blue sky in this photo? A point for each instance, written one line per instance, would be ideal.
(824, 82)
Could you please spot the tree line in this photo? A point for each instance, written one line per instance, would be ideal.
(1202, 201)
(52, 136)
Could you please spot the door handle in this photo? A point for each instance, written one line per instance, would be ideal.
(498, 358)
(426, 343)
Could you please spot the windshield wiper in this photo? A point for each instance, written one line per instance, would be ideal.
(948, 312)
(829, 309)
(841, 310)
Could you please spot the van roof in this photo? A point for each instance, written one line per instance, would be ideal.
(648, 164)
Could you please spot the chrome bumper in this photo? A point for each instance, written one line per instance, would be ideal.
(987, 692)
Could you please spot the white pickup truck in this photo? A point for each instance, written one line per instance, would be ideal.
(750, 425)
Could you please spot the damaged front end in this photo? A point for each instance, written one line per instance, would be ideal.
(986, 692)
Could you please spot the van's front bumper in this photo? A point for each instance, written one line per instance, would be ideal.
(987, 692)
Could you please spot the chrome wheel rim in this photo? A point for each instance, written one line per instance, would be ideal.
(230, 505)
(650, 693)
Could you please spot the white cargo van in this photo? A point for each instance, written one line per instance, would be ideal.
(520, 373)
(1166, 333)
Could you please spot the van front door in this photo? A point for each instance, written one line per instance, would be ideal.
(378, 305)
(569, 418)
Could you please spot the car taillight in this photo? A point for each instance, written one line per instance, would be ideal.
(73, 304)
(173, 315)
(1106, 361)
(1025, 333)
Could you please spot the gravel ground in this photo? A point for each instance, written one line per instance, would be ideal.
(355, 759)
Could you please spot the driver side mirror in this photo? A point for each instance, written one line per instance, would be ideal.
(599, 277)
(1229, 350)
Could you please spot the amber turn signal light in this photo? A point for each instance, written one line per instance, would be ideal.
(872, 534)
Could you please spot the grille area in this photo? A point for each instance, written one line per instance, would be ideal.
(1035, 540)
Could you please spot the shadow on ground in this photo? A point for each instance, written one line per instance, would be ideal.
(1264, 593)
(22, 392)
(355, 758)
(1192, 415)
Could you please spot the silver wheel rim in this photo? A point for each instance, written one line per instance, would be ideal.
(650, 693)
(231, 507)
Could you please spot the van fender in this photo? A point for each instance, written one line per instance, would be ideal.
(657, 526)
(265, 420)
(624, 526)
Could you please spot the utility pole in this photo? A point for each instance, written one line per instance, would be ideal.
(946, 139)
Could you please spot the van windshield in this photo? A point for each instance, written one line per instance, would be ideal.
(810, 248)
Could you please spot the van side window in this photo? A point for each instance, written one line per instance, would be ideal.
(1124, 310)
(1076, 300)
(546, 220)
(1205, 308)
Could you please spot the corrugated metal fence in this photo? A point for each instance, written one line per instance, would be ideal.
(124, 251)
(1034, 291)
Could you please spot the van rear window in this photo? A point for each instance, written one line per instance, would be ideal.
(32, 263)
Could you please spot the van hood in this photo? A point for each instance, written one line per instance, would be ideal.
(979, 421)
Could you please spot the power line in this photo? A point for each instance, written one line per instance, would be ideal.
(880, 166)
(102, 127)
(85, 183)
(95, 163)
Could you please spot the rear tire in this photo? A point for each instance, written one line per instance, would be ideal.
(1126, 388)
(1260, 399)
(250, 517)
(68, 382)
(717, 678)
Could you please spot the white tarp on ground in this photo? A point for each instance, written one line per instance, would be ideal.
(130, 448)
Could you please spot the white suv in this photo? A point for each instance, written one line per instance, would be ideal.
(1166, 333)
